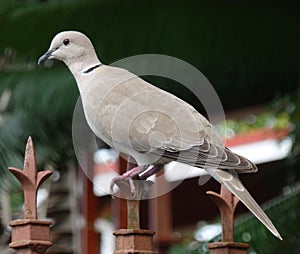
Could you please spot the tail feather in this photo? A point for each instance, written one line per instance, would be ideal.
(232, 182)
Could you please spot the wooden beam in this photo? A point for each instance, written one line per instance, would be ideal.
(90, 238)
(161, 216)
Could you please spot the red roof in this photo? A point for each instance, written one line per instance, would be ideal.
(256, 135)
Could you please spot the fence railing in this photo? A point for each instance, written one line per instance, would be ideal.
(32, 236)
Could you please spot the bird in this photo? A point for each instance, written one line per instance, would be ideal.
(147, 123)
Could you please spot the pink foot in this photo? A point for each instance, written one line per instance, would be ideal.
(127, 175)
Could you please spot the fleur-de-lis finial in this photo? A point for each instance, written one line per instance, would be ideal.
(226, 202)
(30, 180)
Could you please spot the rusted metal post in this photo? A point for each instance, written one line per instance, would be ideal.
(226, 202)
(133, 239)
(29, 235)
(133, 205)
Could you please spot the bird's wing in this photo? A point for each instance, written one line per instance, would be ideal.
(232, 182)
(148, 119)
(212, 156)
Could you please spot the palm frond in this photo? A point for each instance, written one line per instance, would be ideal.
(40, 105)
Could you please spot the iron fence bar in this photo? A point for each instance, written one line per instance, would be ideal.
(30, 235)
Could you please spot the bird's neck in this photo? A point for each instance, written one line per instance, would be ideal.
(81, 65)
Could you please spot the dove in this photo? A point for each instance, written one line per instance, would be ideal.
(147, 123)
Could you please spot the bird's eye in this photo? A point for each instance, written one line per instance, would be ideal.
(66, 42)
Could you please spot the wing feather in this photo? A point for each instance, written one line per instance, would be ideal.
(144, 118)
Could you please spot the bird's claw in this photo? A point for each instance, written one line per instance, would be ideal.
(123, 183)
(131, 188)
(132, 184)
(127, 176)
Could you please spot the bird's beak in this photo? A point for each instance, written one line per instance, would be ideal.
(46, 56)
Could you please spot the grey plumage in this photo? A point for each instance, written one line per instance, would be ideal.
(147, 123)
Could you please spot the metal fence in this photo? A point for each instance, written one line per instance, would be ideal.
(31, 235)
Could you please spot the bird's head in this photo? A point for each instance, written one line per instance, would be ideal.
(69, 47)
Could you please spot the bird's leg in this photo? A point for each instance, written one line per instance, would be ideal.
(140, 172)
(128, 175)
(150, 171)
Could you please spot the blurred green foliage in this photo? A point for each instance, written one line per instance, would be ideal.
(279, 114)
(40, 103)
(248, 50)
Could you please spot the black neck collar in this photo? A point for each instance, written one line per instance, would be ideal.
(92, 68)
